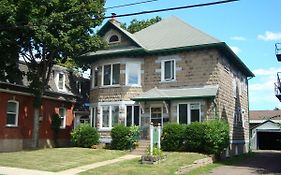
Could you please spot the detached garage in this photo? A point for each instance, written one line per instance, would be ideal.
(266, 136)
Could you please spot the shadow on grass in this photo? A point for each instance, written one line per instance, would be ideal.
(261, 162)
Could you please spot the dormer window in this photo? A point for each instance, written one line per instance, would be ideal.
(114, 39)
(60, 81)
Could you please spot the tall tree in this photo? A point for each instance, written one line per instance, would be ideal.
(136, 25)
(49, 31)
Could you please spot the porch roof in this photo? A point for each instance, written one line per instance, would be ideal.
(183, 93)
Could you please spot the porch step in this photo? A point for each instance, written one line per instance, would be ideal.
(141, 148)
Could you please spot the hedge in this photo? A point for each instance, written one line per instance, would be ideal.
(209, 137)
(172, 137)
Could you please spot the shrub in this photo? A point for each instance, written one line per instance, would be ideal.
(124, 138)
(194, 137)
(172, 137)
(84, 136)
(216, 136)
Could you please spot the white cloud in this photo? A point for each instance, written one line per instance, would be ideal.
(261, 89)
(235, 49)
(270, 36)
(238, 38)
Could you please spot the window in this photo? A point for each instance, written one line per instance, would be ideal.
(62, 113)
(12, 113)
(188, 113)
(168, 71)
(156, 115)
(61, 81)
(133, 116)
(114, 115)
(113, 39)
(110, 116)
(94, 117)
(78, 87)
(95, 73)
(133, 74)
(111, 74)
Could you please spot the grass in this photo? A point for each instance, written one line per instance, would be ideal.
(174, 161)
(56, 159)
(231, 161)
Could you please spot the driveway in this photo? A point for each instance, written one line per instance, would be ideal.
(264, 162)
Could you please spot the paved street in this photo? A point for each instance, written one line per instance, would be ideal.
(265, 162)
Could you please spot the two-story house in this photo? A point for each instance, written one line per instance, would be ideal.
(65, 95)
(167, 72)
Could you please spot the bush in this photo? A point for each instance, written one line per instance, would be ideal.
(124, 138)
(194, 137)
(172, 137)
(216, 136)
(84, 136)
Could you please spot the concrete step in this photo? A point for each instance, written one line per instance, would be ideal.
(142, 147)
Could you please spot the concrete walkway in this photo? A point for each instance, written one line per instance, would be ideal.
(264, 162)
(72, 171)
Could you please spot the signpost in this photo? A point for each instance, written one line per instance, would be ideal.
(155, 135)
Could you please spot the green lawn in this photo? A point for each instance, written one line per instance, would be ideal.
(56, 159)
(174, 161)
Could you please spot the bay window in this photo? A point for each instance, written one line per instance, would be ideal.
(110, 116)
(133, 74)
(111, 74)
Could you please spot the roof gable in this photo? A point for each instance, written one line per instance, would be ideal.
(113, 24)
(268, 125)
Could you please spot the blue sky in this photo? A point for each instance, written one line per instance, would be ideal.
(249, 27)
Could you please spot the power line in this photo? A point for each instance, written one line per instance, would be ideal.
(129, 4)
(173, 8)
(143, 12)
(117, 6)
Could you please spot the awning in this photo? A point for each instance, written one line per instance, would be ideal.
(183, 93)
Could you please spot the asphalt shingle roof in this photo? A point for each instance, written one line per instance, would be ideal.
(265, 114)
(172, 33)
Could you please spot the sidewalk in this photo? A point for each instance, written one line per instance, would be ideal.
(72, 171)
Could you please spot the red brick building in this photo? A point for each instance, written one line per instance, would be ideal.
(64, 96)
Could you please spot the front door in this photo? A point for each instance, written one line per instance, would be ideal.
(156, 116)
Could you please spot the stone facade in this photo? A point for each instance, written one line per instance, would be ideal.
(199, 67)
(193, 69)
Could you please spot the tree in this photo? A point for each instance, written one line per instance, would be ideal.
(136, 25)
(45, 32)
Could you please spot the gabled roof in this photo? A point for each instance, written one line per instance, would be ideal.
(168, 35)
(172, 33)
(267, 125)
(184, 93)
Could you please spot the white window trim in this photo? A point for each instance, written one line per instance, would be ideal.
(114, 42)
(17, 114)
(188, 112)
(163, 70)
(127, 75)
(64, 118)
(133, 114)
(110, 117)
(57, 81)
(111, 76)
(93, 80)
